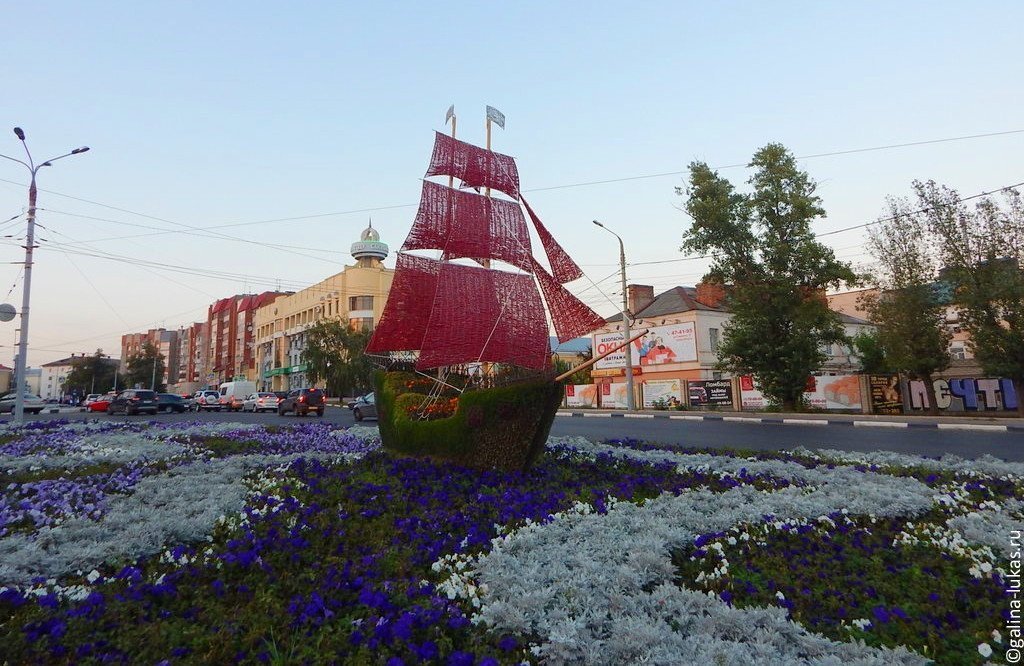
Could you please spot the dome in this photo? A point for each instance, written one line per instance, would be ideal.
(368, 247)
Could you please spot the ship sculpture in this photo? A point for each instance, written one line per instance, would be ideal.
(464, 335)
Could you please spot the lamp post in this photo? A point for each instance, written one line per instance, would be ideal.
(630, 403)
(21, 364)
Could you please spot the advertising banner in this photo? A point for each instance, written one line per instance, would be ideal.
(885, 394)
(605, 341)
(613, 396)
(581, 395)
(667, 392)
(825, 392)
(711, 392)
(675, 343)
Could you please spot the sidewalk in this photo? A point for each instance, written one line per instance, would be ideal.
(981, 423)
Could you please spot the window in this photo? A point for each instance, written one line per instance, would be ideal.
(361, 323)
(360, 303)
(957, 351)
(713, 338)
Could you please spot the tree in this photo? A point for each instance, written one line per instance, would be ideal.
(909, 310)
(580, 376)
(981, 252)
(334, 353)
(92, 374)
(146, 368)
(761, 245)
(871, 354)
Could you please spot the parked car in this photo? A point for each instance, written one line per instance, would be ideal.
(168, 402)
(365, 407)
(260, 402)
(208, 399)
(33, 403)
(100, 404)
(134, 401)
(281, 395)
(302, 402)
(89, 399)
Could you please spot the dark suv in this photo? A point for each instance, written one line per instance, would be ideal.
(133, 401)
(302, 402)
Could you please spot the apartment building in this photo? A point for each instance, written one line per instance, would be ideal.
(166, 343)
(229, 344)
(356, 295)
(191, 358)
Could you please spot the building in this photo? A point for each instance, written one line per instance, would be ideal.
(685, 326)
(191, 358)
(230, 340)
(356, 296)
(52, 376)
(166, 343)
(6, 378)
(963, 362)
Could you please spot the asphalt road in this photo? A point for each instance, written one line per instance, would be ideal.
(762, 436)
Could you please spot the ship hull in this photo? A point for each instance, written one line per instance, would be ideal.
(504, 427)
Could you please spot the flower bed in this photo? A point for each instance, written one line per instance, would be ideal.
(218, 544)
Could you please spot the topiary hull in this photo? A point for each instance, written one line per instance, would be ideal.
(505, 427)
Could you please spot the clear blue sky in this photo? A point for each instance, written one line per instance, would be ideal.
(204, 115)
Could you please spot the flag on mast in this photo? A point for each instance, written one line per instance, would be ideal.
(496, 117)
(448, 116)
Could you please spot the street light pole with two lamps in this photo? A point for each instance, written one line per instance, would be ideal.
(630, 400)
(21, 364)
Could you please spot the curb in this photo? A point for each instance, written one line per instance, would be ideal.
(981, 427)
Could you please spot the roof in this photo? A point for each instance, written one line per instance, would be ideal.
(850, 319)
(574, 346)
(63, 361)
(673, 301)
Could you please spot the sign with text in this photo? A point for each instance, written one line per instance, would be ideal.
(822, 392)
(885, 394)
(666, 392)
(581, 395)
(710, 392)
(675, 343)
(613, 396)
(967, 394)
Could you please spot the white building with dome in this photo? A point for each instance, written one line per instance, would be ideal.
(356, 295)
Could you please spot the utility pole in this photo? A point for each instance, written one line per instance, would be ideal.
(630, 400)
(22, 360)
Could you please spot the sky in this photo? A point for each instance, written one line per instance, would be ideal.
(240, 147)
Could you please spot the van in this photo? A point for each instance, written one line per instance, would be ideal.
(233, 394)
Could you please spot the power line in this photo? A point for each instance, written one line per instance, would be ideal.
(538, 189)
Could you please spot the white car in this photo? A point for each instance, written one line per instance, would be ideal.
(33, 404)
(260, 402)
(208, 399)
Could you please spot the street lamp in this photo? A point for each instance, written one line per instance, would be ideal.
(20, 365)
(630, 404)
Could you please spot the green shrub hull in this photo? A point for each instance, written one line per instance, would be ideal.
(504, 427)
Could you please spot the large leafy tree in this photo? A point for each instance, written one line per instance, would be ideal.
(761, 245)
(908, 309)
(334, 353)
(92, 374)
(146, 368)
(981, 251)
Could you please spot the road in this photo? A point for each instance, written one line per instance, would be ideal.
(713, 433)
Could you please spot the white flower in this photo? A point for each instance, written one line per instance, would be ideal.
(985, 650)
(996, 636)
(780, 596)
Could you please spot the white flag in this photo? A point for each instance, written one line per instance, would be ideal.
(448, 116)
(496, 117)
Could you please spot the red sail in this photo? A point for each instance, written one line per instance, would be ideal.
(485, 315)
(404, 320)
(562, 265)
(571, 317)
(474, 166)
(464, 224)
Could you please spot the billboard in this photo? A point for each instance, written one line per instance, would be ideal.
(581, 395)
(667, 392)
(710, 392)
(822, 392)
(964, 394)
(885, 394)
(613, 396)
(675, 343)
